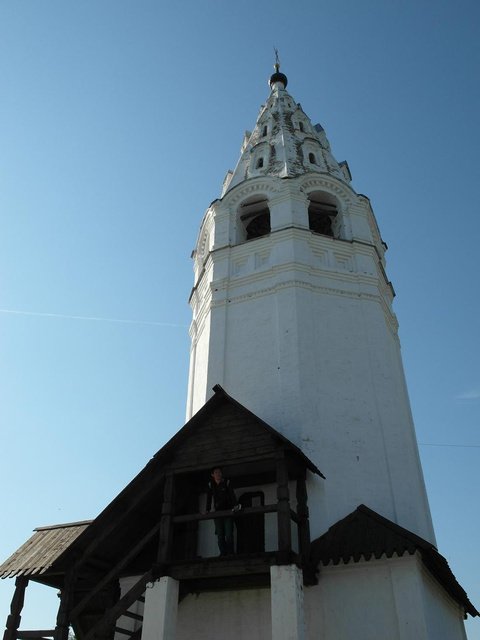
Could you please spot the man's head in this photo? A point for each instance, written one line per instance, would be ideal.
(217, 475)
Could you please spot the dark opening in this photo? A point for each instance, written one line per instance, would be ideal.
(321, 216)
(251, 529)
(320, 223)
(312, 158)
(259, 225)
(185, 534)
(259, 163)
(264, 133)
(300, 126)
(255, 217)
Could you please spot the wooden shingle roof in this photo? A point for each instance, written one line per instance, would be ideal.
(40, 551)
(366, 534)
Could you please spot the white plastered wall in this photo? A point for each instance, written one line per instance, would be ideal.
(301, 332)
(385, 599)
(231, 615)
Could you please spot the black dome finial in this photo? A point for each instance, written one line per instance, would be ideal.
(277, 76)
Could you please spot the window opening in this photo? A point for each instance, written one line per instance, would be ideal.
(259, 163)
(312, 159)
(264, 132)
(259, 226)
(300, 126)
(321, 216)
(256, 219)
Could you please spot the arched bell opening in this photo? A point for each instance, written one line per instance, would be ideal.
(323, 214)
(255, 218)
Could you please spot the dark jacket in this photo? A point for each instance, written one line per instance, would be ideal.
(222, 494)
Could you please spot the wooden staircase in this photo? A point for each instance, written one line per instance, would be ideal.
(134, 634)
(112, 621)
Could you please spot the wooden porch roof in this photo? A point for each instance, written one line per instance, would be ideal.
(226, 449)
(366, 534)
(39, 552)
(138, 506)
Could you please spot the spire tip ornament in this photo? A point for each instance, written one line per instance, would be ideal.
(277, 76)
(276, 66)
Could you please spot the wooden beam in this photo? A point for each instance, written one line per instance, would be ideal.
(166, 521)
(227, 462)
(283, 512)
(193, 517)
(303, 521)
(120, 607)
(42, 633)
(209, 568)
(149, 485)
(115, 571)
(16, 606)
(66, 600)
(226, 583)
(133, 616)
(136, 635)
(125, 632)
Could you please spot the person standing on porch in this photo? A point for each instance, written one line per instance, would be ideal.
(223, 496)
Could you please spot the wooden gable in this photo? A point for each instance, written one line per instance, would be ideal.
(222, 433)
(151, 528)
(227, 434)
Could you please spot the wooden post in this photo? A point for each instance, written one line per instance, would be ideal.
(283, 512)
(16, 606)
(166, 523)
(66, 600)
(303, 522)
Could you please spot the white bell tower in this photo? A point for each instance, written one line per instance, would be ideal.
(292, 315)
(297, 391)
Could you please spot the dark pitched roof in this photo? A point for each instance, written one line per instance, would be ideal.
(365, 533)
(40, 551)
(142, 493)
(221, 397)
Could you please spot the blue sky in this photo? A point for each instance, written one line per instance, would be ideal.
(118, 121)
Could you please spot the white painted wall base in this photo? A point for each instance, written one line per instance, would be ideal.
(288, 620)
(160, 613)
(386, 599)
(225, 615)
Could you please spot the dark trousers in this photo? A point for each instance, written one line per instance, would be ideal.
(224, 533)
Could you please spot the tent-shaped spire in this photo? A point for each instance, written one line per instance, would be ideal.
(284, 142)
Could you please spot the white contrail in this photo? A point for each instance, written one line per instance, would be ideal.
(474, 394)
(91, 318)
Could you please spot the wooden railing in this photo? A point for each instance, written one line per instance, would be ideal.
(212, 515)
(36, 634)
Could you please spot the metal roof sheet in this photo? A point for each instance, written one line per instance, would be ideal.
(39, 552)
